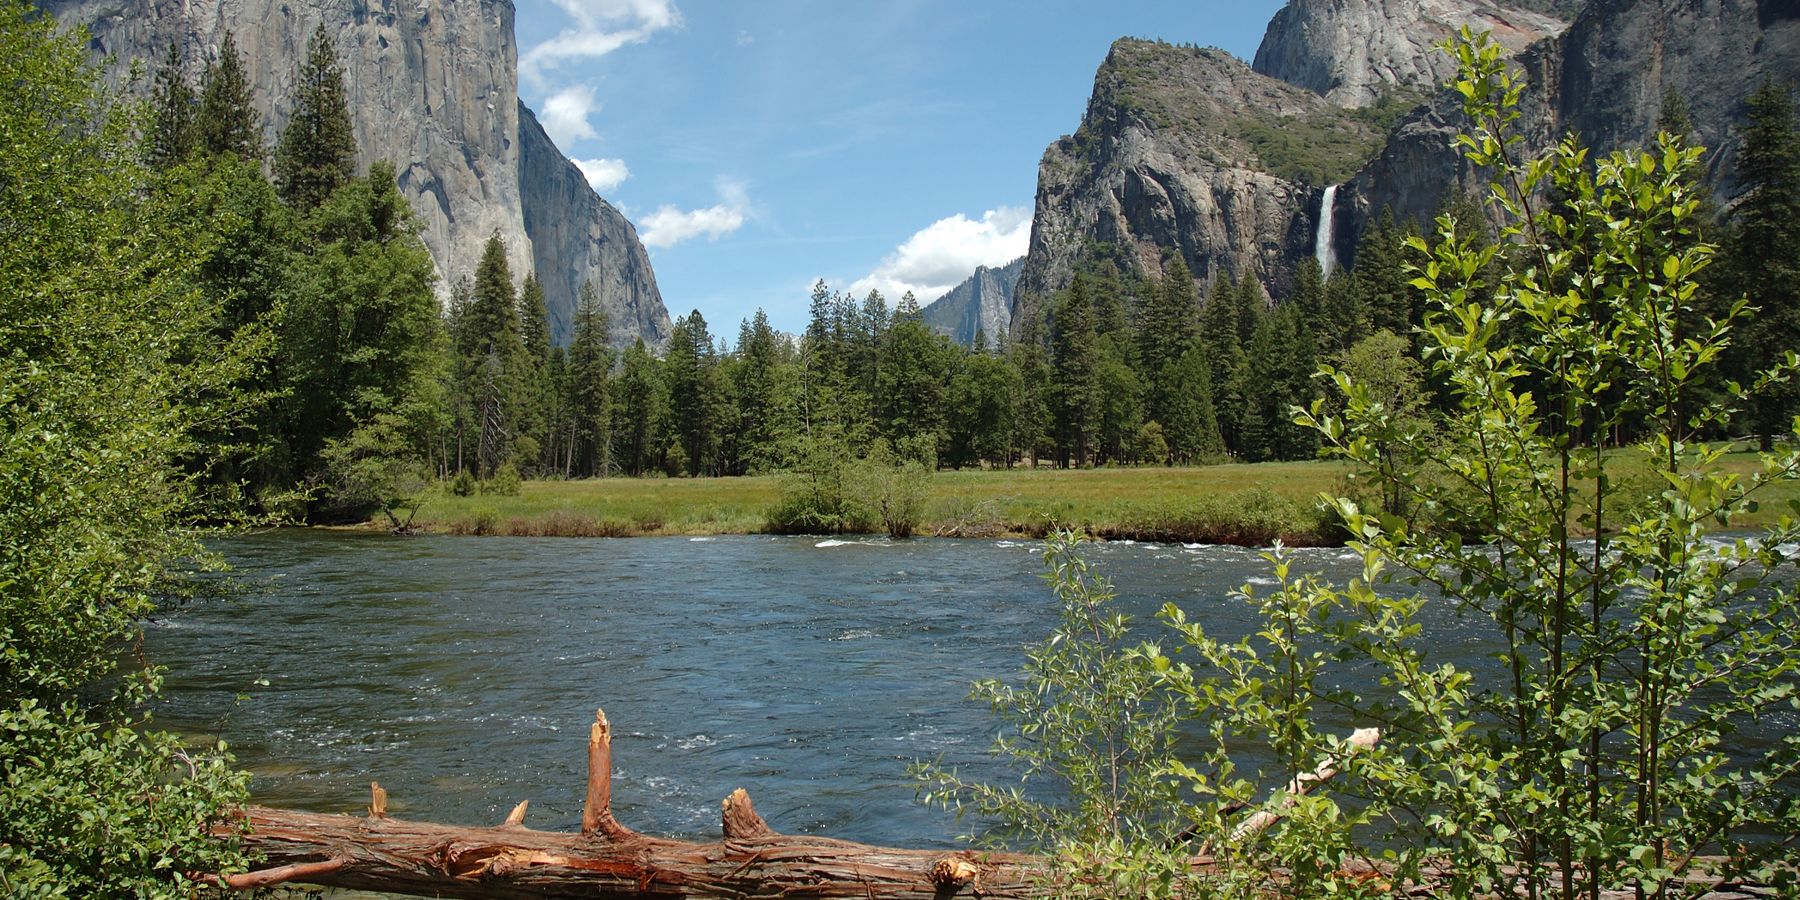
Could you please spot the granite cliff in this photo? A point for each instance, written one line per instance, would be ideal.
(1604, 79)
(433, 87)
(1353, 53)
(1188, 149)
(1191, 150)
(982, 304)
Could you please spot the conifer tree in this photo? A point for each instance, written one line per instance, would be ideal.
(1191, 425)
(174, 107)
(981, 411)
(317, 150)
(538, 399)
(911, 376)
(493, 352)
(1073, 355)
(590, 394)
(1220, 339)
(1764, 252)
(1168, 329)
(227, 121)
(640, 411)
(1118, 404)
(763, 379)
(1033, 421)
(693, 395)
(1380, 281)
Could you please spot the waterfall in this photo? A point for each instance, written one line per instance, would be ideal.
(1323, 251)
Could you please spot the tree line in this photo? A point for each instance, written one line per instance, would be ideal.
(368, 391)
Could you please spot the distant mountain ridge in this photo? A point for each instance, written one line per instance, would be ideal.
(433, 87)
(982, 303)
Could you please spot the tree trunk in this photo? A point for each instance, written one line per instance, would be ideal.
(605, 859)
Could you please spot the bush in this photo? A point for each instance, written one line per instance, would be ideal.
(895, 488)
(464, 484)
(818, 496)
(505, 481)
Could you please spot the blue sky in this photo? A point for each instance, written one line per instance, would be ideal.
(759, 146)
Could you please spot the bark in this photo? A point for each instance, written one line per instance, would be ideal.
(608, 860)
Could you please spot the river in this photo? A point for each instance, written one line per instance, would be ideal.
(462, 673)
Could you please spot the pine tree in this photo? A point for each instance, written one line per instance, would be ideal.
(766, 416)
(1073, 356)
(910, 379)
(1764, 252)
(1119, 405)
(538, 399)
(227, 121)
(590, 393)
(1379, 279)
(1034, 420)
(981, 411)
(491, 358)
(1168, 329)
(317, 150)
(693, 394)
(1191, 425)
(174, 106)
(640, 411)
(1221, 323)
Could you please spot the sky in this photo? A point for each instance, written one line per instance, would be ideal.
(759, 147)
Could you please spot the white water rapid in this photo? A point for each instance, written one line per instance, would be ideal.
(1323, 250)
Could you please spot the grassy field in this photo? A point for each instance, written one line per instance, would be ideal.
(1275, 499)
(1244, 504)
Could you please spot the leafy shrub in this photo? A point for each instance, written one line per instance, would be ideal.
(819, 496)
(464, 484)
(505, 482)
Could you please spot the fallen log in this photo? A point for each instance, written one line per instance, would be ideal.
(608, 860)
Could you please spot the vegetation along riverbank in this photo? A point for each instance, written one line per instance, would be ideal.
(1252, 504)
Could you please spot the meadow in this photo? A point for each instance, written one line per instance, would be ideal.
(1234, 503)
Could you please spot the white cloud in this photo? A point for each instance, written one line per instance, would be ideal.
(600, 27)
(566, 114)
(946, 252)
(603, 174)
(668, 225)
(745, 39)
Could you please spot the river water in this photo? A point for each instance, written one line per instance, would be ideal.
(462, 673)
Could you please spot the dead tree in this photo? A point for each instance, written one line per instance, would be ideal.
(608, 860)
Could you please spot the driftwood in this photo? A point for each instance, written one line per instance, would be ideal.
(606, 859)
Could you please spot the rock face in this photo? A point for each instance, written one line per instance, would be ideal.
(576, 237)
(1187, 149)
(1605, 79)
(982, 303)
(1354, 52)
(433, 87)
(1193, 151)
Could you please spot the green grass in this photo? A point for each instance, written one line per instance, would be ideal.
(1107, 502)
(1240, 503)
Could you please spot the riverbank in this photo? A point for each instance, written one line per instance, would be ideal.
(1246, 504)
(1226, 504)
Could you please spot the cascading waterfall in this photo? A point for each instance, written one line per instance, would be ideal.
(1323, 251)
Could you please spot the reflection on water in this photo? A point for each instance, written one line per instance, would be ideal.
(463, 673)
